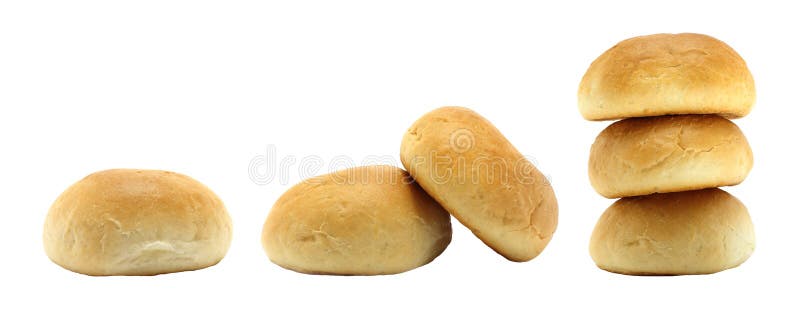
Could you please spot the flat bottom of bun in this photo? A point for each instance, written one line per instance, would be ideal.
(141, 273)
(655, 274)
(319, 272)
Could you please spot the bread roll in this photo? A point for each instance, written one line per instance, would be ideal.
(360, 221)
(641, 156)
(666, 74)
(470, 168)
(136, 222)
(694, 232)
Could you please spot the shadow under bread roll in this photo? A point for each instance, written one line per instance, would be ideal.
(137, 222)
(360, 221)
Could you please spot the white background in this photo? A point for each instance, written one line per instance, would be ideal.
(203, 87)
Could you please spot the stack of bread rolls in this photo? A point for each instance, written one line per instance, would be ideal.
(665, 158)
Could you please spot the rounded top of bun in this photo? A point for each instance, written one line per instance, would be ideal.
(640, 156)
(137, 222)
(693, 232)
(667, 74)
(465, 163)
(366, 220)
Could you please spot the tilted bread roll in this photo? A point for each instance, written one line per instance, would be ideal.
(470, 168)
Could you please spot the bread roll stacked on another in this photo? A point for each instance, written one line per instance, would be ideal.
(376, 220)
(673, 147)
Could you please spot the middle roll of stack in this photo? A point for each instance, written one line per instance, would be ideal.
(642, 156)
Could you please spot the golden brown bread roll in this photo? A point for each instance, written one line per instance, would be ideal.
(137, 222)
(472, 170)
(694, 232)
(640, 156)
(666, 74)
(360, 221)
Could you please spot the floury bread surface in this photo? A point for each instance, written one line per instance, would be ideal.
(640, 156)
(475, 173)
(137, 222)
(361, 221)
(694, 232)
(667, 74)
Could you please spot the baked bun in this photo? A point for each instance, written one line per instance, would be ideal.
(470, 168)
(360, 221)
(640, 156)
(667, 74)
(136, 222)
(694, 232)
